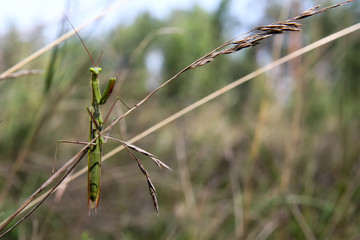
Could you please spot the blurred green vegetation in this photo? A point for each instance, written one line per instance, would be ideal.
(277, 157)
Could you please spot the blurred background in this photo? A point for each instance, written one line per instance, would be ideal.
(276, 158)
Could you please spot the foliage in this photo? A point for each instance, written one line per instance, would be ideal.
(273, 158)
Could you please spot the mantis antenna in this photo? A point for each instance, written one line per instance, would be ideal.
(82, 41)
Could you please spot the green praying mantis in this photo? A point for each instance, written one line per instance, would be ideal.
(96, 123)
(95, 127)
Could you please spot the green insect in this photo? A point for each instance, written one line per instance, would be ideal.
(96, 126)
(96, 123)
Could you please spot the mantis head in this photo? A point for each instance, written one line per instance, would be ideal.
(95, 70)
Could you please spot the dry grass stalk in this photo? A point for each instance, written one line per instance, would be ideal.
(159, 163)
(150, 184)
(254, 38)
(260, 33)
(24, 72)
(67, 168)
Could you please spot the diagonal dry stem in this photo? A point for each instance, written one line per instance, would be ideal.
(150, 184)
(142, 151)
(158, 162)
(70, 165)
(24, 72)
(254, 37)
